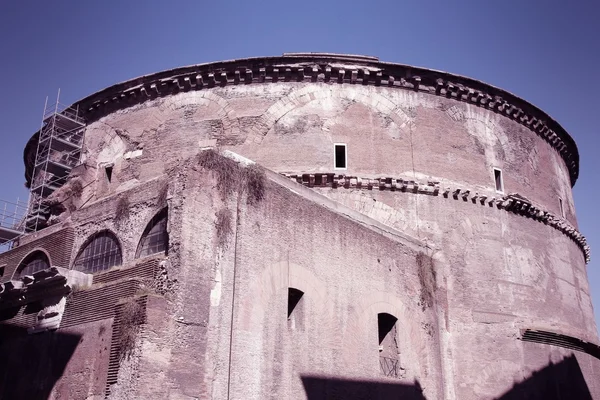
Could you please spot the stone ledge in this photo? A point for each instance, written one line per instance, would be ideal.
(513, 202)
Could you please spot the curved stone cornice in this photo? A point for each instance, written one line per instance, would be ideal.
(327, 68)
(513, 203)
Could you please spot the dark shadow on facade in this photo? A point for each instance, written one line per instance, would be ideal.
(563, 380)
(337, 388)
(32, 364)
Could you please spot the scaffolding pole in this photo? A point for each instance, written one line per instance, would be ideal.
(58, 151)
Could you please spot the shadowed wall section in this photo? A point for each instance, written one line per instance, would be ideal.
(32, 365)
(336, 388)
(556, 381)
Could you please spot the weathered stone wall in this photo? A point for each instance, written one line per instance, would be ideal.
(225, 332)
(68, 363)
(291, 127)
(56, 243)
(462, 271)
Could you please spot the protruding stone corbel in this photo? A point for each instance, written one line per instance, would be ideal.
(353, 76)
(262, 73)
(415, 187)
(439, 86)
(366, 77)
(211, 79)
(177, 84)
(187, 83)
(416, 82)
(324, 180)
(275, 74)
(314, 74)
(248, 76)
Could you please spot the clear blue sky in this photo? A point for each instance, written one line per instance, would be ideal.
(547, 52)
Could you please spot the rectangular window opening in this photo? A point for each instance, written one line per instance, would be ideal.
(340, 156)
(498, 180)
(108, 169)
(2, 269)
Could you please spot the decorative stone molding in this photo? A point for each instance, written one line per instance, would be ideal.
(513, 202)
(48, 288)
(331, 69)
(560, 340)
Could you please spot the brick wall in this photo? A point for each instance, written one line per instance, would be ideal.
(56, 245)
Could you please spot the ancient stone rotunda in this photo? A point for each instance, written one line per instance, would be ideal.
(310, 226)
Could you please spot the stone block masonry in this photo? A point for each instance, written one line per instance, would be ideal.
(230, 254)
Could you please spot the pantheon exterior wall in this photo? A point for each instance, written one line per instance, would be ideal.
(454, 214)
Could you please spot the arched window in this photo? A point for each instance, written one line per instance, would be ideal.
(155, 238)
(36, 261)
(101, 252)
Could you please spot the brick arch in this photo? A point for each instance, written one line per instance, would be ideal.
(226, 113)
(91, 237)
(20, 265)
(272, 281)
(307, 94)
(148, 225)
(361, 330)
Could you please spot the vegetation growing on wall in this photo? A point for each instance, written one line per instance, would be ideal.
(132, 316)
(163, 192)
(254, 183)
(427, 278)
(223, 226)
(76, 187)
(233, 177)
(122, 209)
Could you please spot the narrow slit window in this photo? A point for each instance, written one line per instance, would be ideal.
(562, 209)
(294, 297)
(109, 171)
(2, 269)
(498, 180)
(385, 325)
(340, 156)
(389, 352)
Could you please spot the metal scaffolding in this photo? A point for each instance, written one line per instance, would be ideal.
(12, 216)
(58, 151)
